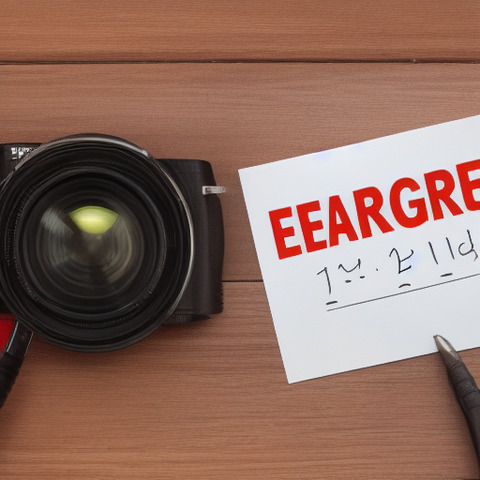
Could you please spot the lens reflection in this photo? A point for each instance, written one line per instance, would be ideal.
(93, 219)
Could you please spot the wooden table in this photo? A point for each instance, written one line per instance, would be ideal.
(238, 84)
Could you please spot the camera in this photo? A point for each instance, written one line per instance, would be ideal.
(101, 243)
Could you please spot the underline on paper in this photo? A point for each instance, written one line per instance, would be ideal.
(402, 293)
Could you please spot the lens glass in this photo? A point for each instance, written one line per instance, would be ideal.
(85, 249)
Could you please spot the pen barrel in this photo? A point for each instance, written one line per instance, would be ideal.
(473, 421)
(468, 396)
(9, 369)
(465, 387)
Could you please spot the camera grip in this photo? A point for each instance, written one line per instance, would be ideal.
(203, 295)
(9, 368)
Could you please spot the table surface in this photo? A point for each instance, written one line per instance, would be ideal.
(238, 84)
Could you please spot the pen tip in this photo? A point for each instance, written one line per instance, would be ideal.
(442, 343)
(448, 353)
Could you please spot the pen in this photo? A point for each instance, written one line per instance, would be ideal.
(14, 342)
(11, 358)
(465, 388)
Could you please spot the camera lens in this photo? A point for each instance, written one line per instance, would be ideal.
(98, 243)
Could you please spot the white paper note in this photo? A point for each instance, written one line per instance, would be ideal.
(369, 250)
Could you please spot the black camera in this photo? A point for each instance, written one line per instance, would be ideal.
(100, 243)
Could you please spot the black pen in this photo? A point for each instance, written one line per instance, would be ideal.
(12, 358)
(466, 390)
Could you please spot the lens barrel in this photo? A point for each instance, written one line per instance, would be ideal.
(97, 243)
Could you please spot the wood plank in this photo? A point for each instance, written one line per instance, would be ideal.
(210, 400)
(235, 115)
(59, 30)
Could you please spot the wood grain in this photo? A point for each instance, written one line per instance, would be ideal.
(172, 30)
(234, 115)
(238, 84)
(210, 401)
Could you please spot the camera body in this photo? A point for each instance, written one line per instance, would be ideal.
(200, 293)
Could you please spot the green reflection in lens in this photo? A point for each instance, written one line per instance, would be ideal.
(94, 220)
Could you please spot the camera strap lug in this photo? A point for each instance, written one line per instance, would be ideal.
(213, 190)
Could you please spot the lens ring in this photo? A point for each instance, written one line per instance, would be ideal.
(65, 164)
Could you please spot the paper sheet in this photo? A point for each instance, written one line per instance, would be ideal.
(369, 250)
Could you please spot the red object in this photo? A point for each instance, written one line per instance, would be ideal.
(7, 322)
